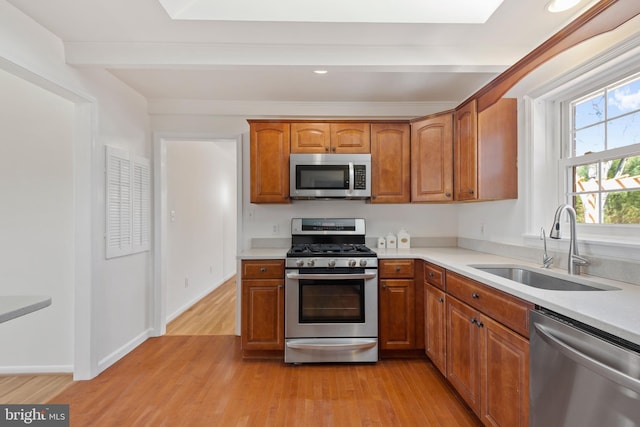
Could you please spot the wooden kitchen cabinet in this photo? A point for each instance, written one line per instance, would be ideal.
(435, 336)
(262, 331)
(324, 137)
(390, 163)
(397, 304)
(485, 151)
(269, 158)
(432, 159)
(486, 362)
(435, 343)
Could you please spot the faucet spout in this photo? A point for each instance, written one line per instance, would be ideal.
(575, 260)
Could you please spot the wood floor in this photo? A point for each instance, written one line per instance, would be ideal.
(214, 314)
(202, 381)
(194, 376)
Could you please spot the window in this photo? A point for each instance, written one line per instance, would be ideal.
(602, 154)
(128, 203)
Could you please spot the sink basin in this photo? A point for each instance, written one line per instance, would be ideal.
(542, 280)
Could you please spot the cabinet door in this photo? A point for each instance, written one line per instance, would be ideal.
(432, 159)
(350, 138)
(463, 345)
(466, 152)
(263, 314)
(504, 369)
(269, 148)
(498, 151)
(397, 314)
(390, 163)
(310, 137)
(435, 326)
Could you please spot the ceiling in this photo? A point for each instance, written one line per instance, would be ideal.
(252, 60)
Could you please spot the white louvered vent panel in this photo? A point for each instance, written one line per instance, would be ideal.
(127, 203)
(141, 203)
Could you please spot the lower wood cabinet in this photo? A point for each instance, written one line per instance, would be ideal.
(401, 309)
(435, 326)
(488, 364)
(262, 307)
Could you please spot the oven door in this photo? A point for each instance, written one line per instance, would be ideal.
(331, 315)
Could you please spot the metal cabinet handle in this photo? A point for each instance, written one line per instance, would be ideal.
(263, 269)
(470, 191)
(280, 286)
(384, 286)
(473, 320)
(440, 299)
(475, 296)
(431, 274)
(447, 194)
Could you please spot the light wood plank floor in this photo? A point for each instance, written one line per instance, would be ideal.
(215, 314)
(202, 381)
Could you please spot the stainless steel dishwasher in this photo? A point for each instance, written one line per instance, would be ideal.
(581, 376)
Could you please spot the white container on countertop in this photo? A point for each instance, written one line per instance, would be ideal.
(382, 243)
(404, 239)
(391, 241)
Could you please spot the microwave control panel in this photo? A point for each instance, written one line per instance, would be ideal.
(360, 177)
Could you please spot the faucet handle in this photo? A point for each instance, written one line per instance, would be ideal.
(546, 259)
(578, 260)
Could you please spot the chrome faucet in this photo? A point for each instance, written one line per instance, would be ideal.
(546, 259)
(575, 260)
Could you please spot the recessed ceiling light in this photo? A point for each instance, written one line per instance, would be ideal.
(320, 71)
(555, 6)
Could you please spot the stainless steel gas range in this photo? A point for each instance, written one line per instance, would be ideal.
(331, 293)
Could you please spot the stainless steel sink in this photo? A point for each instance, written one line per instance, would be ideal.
(542, 280)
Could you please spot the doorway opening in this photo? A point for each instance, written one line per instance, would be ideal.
(196, 210)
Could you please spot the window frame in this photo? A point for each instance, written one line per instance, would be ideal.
(567, 158)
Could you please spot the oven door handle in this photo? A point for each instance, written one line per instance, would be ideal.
(358, 344)
(297, 276)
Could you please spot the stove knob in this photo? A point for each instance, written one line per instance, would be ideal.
(331, 263)
(299, 262)
(363, 262)
(311, 262)
(352, 263)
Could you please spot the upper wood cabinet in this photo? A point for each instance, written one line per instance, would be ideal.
(432, 159)
(321, 137)
(390, 163)
(485, 151)
(269, 153)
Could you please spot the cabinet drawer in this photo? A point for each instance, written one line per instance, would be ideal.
(434, 275)
(395, 268)
(506, 309)
(263, 269)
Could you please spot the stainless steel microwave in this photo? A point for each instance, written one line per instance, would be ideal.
(330, 176)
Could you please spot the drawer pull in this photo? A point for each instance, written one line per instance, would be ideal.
(473, 320)
(397, 268)
(475, 296)
(431, 274)
(440, 299)
(263, 269)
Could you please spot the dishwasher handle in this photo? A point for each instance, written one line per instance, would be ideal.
(587, 361)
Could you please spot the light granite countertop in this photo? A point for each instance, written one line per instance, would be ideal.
(614, 311)
(13, 306)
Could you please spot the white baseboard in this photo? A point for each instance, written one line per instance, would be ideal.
(123, 351)
(40, 369)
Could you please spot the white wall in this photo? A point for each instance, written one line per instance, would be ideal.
(111, 297)
(201, 235)
(36, 224)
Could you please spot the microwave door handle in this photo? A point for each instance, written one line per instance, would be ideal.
(351, 177)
